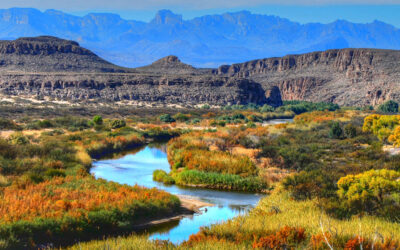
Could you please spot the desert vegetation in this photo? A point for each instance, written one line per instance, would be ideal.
(329, 181)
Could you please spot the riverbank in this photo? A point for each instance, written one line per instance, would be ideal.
(189, 206)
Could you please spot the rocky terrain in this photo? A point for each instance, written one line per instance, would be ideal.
(48, 68)
(50, 54)
(354, 77)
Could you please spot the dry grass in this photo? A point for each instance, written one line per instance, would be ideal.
(83, 156)
(3, 181)
(249, 152)
(305, 214)
(141, 242)
(274, 174)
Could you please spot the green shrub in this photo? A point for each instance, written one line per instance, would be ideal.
(8, 124)
(350, 131)
(35, 178)
(181, 117)
(267, 108)
(162, 176)
(98, 120)
(55, 173)
(219, 181)
(251, 125)
(166, 118)
(389, 107)
(299, 107)
(372, 191)
(118, 124)
(18, 139)
(335, 131)
(307, 185)
(195, 121)
(44, 124)
(221, 123)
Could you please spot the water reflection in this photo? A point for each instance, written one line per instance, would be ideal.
(137, 168)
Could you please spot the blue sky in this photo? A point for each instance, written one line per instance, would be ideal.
(302, 11)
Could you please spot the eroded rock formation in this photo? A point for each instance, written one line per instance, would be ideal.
(346, 76)
(50, 67)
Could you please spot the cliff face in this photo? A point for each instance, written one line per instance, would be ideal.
(52, 68)
(347, 77)
(127, 87)
(50, 54)
(58, 69)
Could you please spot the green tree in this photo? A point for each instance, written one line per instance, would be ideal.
(389, 107)
(336, 131)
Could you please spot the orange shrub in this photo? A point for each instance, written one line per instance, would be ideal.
(318, 241)
(357, 243)
(287, 236)
(72, 196)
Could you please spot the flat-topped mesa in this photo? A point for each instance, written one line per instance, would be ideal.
(169, 65)
(50, 54)
(43, 45)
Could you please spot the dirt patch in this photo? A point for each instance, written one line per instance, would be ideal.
(391, 150)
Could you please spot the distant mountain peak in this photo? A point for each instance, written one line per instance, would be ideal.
(167, 17)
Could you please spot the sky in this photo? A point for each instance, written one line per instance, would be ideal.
(303, 11)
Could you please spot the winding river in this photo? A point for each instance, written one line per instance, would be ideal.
(137, 168)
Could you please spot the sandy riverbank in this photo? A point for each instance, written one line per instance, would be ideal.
(189, 206)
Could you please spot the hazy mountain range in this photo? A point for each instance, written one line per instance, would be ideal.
(206, 41)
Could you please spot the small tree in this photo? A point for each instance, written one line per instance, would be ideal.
(389, 107)
(98, 120)
(336, 131)
(371, 190)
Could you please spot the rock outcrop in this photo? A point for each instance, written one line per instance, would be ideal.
(50, 54)
(51, 68)
(144, 88)
(48, 67)
(346, 76)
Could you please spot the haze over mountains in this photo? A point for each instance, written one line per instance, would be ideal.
(207, 41)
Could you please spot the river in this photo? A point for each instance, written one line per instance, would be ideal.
(137, 168)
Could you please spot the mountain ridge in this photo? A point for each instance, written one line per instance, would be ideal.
(49, 67)
(207, 41)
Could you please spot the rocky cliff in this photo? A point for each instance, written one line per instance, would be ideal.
(48, 67)
(347, 76)
(51, 68)
(50, 54)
